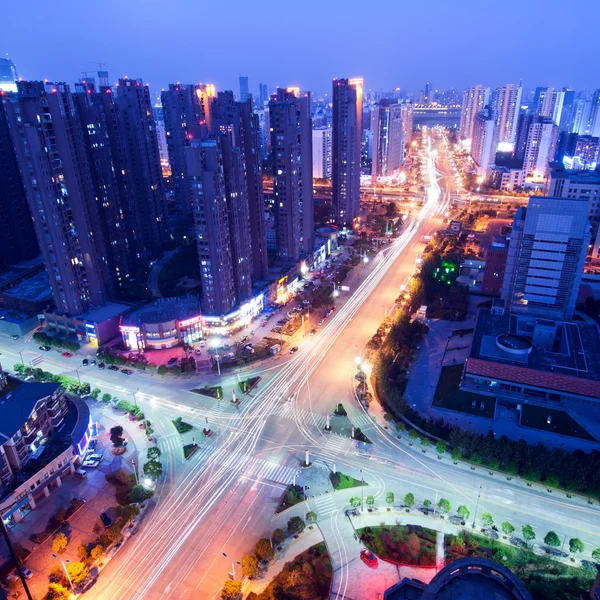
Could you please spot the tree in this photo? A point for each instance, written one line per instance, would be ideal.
(425, 442)
(507, 528)
(475, 458)
(552, 539)
(106, 397)
(355, 502)
(463, 512)
(389, 498)
(154, 452)
(576, 545)
(232, 590)
(250, 566)
(59, 543)
(409, 499)
(487, 520)
(456, 454)
(78, 572)
(311, 517)
(95, 393)
(413, 435)
(552, 481)
(116, 434)
(426, 503)
(153, 469)
(139, 493)
(596, 554)
(444, 506)
(528, 533)
(56, 591)
(295, 525)
(263, 549)
(370, 500)
(278, 536)
(82, 552)
(97, 552)
(440, 447)
(57, 574)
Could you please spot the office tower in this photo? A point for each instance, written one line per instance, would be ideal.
(321, 152)
(507, 104)
(542, 136)
(238, 116)
(17, 236)
(142, 164)
(388, 139)
(97, 113)
(8, 75)
(546, 256)
(568, 111)
(594, 119)
(184, 119)
(474, 100)
(581, 116)
(161, 132)
(346, 149)
(291, 148)
(221, 220)
(406, 112)
(244, 90)
(427, 93)
(50, 150)
(483, 151)
(263, 94)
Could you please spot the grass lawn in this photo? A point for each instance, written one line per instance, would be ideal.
(309, 575)
(343, 482)
(212, 392)
(293, 495)
(189, 449)
(543, 576)
(447, 395)
(405, 544)
(562, 423)
(247, 385)
(181, 426)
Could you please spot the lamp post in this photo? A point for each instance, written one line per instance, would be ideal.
(77, 373)
(217, 357)
(232, 564)
(137, 481)
(476, 506)
(134, 398)
(362, 492)
(64, 566)
(21, 355)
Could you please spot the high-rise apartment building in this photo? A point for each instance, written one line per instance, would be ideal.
(346, 149)
(244, 89)
(245, 127)
(52, 158)
(17, 236)
(581, 116)
(475, 99)
(321, 152)
(506, 105)
(8, 75)
(263, 94)
(548, 102)
(542, 136)
(222, 222)
(388, 139)
(184, 120)
(546, 256)
(141, 161)
(594, 120)
(483, 151)
(291, 148)
(406, 112)
(161, 133)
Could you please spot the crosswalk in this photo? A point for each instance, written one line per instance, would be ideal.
(288, 411)
(170, 443)
(337, 443)
(325, 505)
(271, 471)
(362, 420)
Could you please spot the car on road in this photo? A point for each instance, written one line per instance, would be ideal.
(15, 336)
(368, 557)
(127, 371)
(92, 362)
(294, 350)
(45, 348)
(85, 362)
(312, 332)
(101, 365)
(113, 368)
(66, 354)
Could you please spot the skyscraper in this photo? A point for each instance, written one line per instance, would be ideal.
(346, 149)
(507, 104)
(321, 152)
(546, 255)
(222, 222)
(244, 89)
(542, 136)
(142, 165)
(474, 101)
(581, 116)
(51, 153)
(548, 102)
(184, 119)
(291, 147)
(226, 114)
(482, 146)
(263, 94)
(161, 133)
(8, 75)
(388, 139)
(17, 236)
(594, 121)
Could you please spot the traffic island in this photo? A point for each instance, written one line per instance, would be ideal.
(215, 391)
(181, 425)
(189, 449)
(340, 481)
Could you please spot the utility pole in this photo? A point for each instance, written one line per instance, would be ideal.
(362, 491)
(13, 555)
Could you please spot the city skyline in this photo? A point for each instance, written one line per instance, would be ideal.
(494, 50)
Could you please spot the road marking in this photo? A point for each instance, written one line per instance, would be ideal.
(287, 411)
(264, 469)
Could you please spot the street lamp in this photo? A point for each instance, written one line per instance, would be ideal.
(147, 482)
(77, 373)
(134, 398)
(232, 564)
(21, 355)
(362, 492)
(62, 562)
(216, 344)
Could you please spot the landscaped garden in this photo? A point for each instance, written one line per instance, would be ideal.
(340, 481)
(211, 392)
(248, 385)
(403, 544)
(181, 425)
(561, 421)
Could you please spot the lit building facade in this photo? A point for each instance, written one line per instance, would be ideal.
(483, 151)
(475, 99)
(321, 152)
(542, 136)
(507, 104)
(388, 139)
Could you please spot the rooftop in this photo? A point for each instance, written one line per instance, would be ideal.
(35, 288)
(102, 313)
(18, 404)
(164, 309)
(571, 364)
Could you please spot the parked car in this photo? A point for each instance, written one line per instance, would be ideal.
(294, 350)
(14, 336)
(113, 368)
(106, 520)
(101, 365)
(66, 354)
(45, 348)
(92, 362)
(312, 332)
(127, 371)
(85, 362)
(173, 361)
(368, 557)
(27, 573)
(90, 464)
(80, 473)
